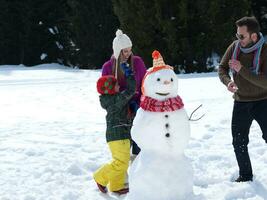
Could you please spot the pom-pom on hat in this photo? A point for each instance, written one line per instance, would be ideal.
(158, 64)
(121, 41)
(106, 84)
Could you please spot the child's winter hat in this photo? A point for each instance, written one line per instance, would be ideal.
(106, 84)
(121, 41)
(158, 64)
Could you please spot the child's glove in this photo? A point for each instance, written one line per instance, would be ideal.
(126, 69)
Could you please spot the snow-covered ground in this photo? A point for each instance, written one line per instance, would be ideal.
(52, 137)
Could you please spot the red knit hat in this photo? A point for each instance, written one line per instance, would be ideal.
(106, 84)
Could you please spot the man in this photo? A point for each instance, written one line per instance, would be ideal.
(246, 58)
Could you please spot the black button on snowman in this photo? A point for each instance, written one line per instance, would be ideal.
(167, 134)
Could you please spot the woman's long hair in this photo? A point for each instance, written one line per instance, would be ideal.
(116, 67)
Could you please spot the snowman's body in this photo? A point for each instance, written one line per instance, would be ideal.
(161, 171)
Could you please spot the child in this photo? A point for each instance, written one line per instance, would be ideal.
(117, 132)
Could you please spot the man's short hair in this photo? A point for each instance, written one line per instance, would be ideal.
(251, 23)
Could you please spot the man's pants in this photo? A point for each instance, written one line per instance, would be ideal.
(114, 173)
(243, 115)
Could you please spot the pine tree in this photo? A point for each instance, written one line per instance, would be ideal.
(5, 28)
(259, 10)
(139, 21)
(11, 34)
(185, 31)
(32, 29)
(93, 25)
(49, 35)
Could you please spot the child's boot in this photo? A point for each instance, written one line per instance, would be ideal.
(122, 191)
(102, 188)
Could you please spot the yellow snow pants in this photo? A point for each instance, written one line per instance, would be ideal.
(113, 174)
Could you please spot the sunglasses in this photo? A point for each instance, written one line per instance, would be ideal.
(240, 36)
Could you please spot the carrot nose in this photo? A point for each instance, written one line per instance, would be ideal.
(166, 82)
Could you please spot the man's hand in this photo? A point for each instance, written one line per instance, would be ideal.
(235, 65)
(232, 87)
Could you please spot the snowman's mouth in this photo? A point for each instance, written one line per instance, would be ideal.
(162, 94)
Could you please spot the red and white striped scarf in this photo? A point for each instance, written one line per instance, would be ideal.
(154, 105)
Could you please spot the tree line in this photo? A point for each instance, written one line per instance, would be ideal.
(80, 33)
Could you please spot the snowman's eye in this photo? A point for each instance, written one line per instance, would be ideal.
(158, 79)
(171, 79)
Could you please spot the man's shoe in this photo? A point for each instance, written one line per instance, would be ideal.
(122, 191)
(102, 188)
(244, 179)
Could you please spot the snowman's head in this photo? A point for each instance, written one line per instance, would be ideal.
(160, 81)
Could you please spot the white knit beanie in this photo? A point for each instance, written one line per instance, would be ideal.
(121, 41)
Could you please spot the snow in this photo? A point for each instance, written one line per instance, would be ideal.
(51, 30)
(52, 136)
(59, 45)
(43, 56)
(213, 61)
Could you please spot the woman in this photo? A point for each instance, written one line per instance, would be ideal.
(122, 63)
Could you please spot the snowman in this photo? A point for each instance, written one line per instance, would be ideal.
(161, 129)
